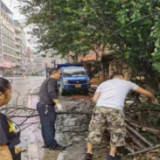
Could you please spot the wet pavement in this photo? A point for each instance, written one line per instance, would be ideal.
(21, 87)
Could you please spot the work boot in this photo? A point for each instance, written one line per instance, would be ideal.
(88, 156)
(113, 158)
(45, 146)
(57, 147)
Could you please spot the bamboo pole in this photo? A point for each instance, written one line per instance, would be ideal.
(143, 151)
(139, 136)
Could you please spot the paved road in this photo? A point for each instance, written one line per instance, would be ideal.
(21, 87)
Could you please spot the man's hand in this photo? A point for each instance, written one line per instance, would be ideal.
(148, 94)
(59, 107)
(155, 101)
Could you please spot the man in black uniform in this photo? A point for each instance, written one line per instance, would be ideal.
(46, 109)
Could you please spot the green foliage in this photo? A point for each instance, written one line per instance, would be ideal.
(158, 97)
(131, 28)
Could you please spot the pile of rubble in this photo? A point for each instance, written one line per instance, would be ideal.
(143, 132)
(74, 123)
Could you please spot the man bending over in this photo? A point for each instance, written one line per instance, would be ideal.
(108, 113)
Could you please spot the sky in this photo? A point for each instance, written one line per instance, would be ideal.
(13, 6)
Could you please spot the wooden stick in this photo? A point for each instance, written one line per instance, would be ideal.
(143, 128)
(84, 113)
(143, 151)
(129, 148)
(137, 142)
(139, 136)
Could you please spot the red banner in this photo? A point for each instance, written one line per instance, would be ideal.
(7, 65)
(1, 64)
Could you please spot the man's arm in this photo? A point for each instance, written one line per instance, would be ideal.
(56, 101)
(97, 94)
(147, 93)
(96, 97)
(52, 87)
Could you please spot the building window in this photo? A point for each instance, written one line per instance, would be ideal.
(8, 50)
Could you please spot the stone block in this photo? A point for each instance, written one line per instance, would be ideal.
(70, 122)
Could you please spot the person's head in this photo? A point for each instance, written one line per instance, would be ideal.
(55, 73)
(5, 91)
(118, 75)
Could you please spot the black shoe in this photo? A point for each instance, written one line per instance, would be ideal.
(45, 146)
(88, 156)
(114, 158)
(57, 147)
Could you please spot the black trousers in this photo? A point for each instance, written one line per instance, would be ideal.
(15, 156)
(47, 124)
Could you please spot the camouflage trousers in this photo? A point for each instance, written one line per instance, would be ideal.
(111, 119)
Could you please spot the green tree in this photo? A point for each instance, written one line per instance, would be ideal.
(131, 28)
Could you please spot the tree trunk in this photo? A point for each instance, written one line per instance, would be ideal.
(103, 71)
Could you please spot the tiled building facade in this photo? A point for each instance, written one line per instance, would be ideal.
(12, 44)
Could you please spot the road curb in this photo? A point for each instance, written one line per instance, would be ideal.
(33, 150)
(34, 88)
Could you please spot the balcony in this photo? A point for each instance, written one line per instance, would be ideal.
(18, 37)
(18, 64)
(17, 43)
(18, 29)
(7, 25)
(18, 51)
(18, 55)
(0, 20)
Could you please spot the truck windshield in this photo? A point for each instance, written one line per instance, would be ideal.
(74, 72)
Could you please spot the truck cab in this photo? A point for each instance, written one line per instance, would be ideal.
(74, 78)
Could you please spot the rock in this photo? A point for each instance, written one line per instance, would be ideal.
(81, 105)
(75, 126)
(70, 122)
(80, 120)
(78, 139)
(73, 134)
(67, 129)
(88, 105)
(82, 129)
(72, 108)
(71, 129)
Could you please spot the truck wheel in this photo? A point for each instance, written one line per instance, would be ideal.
(61, 91)
(86, 92)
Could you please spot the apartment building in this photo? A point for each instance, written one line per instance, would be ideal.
(12, 44)
(20, 48)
